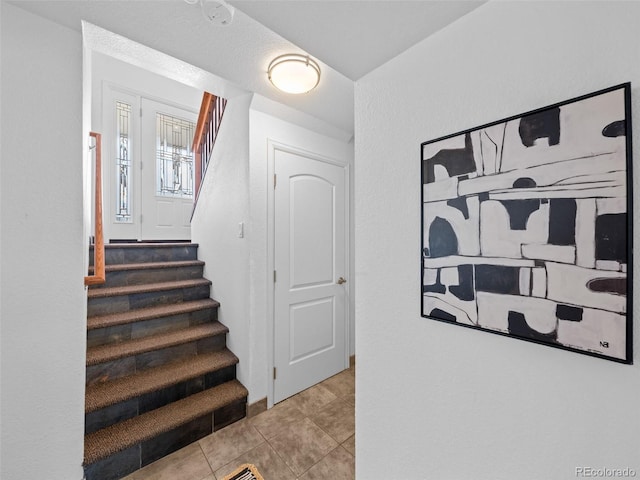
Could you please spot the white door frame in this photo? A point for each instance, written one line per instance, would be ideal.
(272, 147)
(110, 93)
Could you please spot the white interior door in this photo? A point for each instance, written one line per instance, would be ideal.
(167, 171)
(310, 272)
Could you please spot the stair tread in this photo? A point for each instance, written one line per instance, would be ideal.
(148, 244)
(146, 288)
(149, 313)
(114, 351)
(102, 395)
(117, 267)
(117, 437)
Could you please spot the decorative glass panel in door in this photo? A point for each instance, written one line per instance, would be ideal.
(123, 163)
(174, 157)
(167, 173)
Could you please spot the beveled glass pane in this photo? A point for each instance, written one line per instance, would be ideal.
(174, 157)
(123, 163)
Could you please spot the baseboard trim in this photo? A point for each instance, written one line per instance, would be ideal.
(257, 408)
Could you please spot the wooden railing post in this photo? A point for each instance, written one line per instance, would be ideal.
(98, 276)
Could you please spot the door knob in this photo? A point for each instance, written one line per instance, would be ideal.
(341, 280)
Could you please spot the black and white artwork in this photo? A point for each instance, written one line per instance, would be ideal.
(526, 226)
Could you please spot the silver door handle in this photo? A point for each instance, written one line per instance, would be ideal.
(341, 281)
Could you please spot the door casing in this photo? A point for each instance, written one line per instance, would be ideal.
(110, 93)
(272, 147)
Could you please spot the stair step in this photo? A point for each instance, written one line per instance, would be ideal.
(118, 253)
(146, 288)
(138, 273)
(114, 351)
(117, 267)
(109, 393)
(149, 313)
(117, 437)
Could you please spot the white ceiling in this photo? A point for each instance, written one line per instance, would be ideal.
(349, 38)
(354, 37)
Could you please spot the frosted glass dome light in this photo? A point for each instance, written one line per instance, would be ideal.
(294, 73)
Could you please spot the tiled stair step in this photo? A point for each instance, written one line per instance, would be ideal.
(117, 437)
(146, 288)
(103, 301)
(149, 313)
(108, 393)
(152, 272)
(147, 252)
(114, 351)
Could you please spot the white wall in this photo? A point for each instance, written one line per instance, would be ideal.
(107, 70)
(444, 401)
(43, 298)
(222, 204)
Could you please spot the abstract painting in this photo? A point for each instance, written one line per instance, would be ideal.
(526, 226)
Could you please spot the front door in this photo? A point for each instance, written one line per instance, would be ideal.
(167, 171)
(149, 168)
(310, 272)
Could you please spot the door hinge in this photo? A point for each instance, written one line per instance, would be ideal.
(274, 276)
(140, 218)
(140, 112)
(275, 180)
(141, 165)
(275, 373)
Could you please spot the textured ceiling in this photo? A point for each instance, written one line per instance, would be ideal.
(349, 38)
(356, 36)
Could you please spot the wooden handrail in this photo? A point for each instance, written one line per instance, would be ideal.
(209, 121)
(208, 101)
(98, 276)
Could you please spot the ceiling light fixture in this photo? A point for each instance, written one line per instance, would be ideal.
(294, 73)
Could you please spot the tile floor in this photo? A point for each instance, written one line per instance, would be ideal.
(310, 436)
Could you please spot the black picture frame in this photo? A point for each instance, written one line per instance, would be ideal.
(527, 226)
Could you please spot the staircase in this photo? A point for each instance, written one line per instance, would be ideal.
(159, 375)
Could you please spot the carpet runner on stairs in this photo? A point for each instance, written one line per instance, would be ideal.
(159, 375)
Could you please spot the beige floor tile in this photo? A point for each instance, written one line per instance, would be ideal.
(338, 465)
(224, 445)
(350, 399)
(337, 419)
(350, 445)
(266, 460)
(275, 421)
(188, 463)
(312, 399)
(302, 445)
(342, 384)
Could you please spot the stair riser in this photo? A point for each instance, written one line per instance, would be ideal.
(151, 275)
(144, 453)
(122, 367)
(124, 303)
(136, 406)
(148, 253)
(119, 333)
